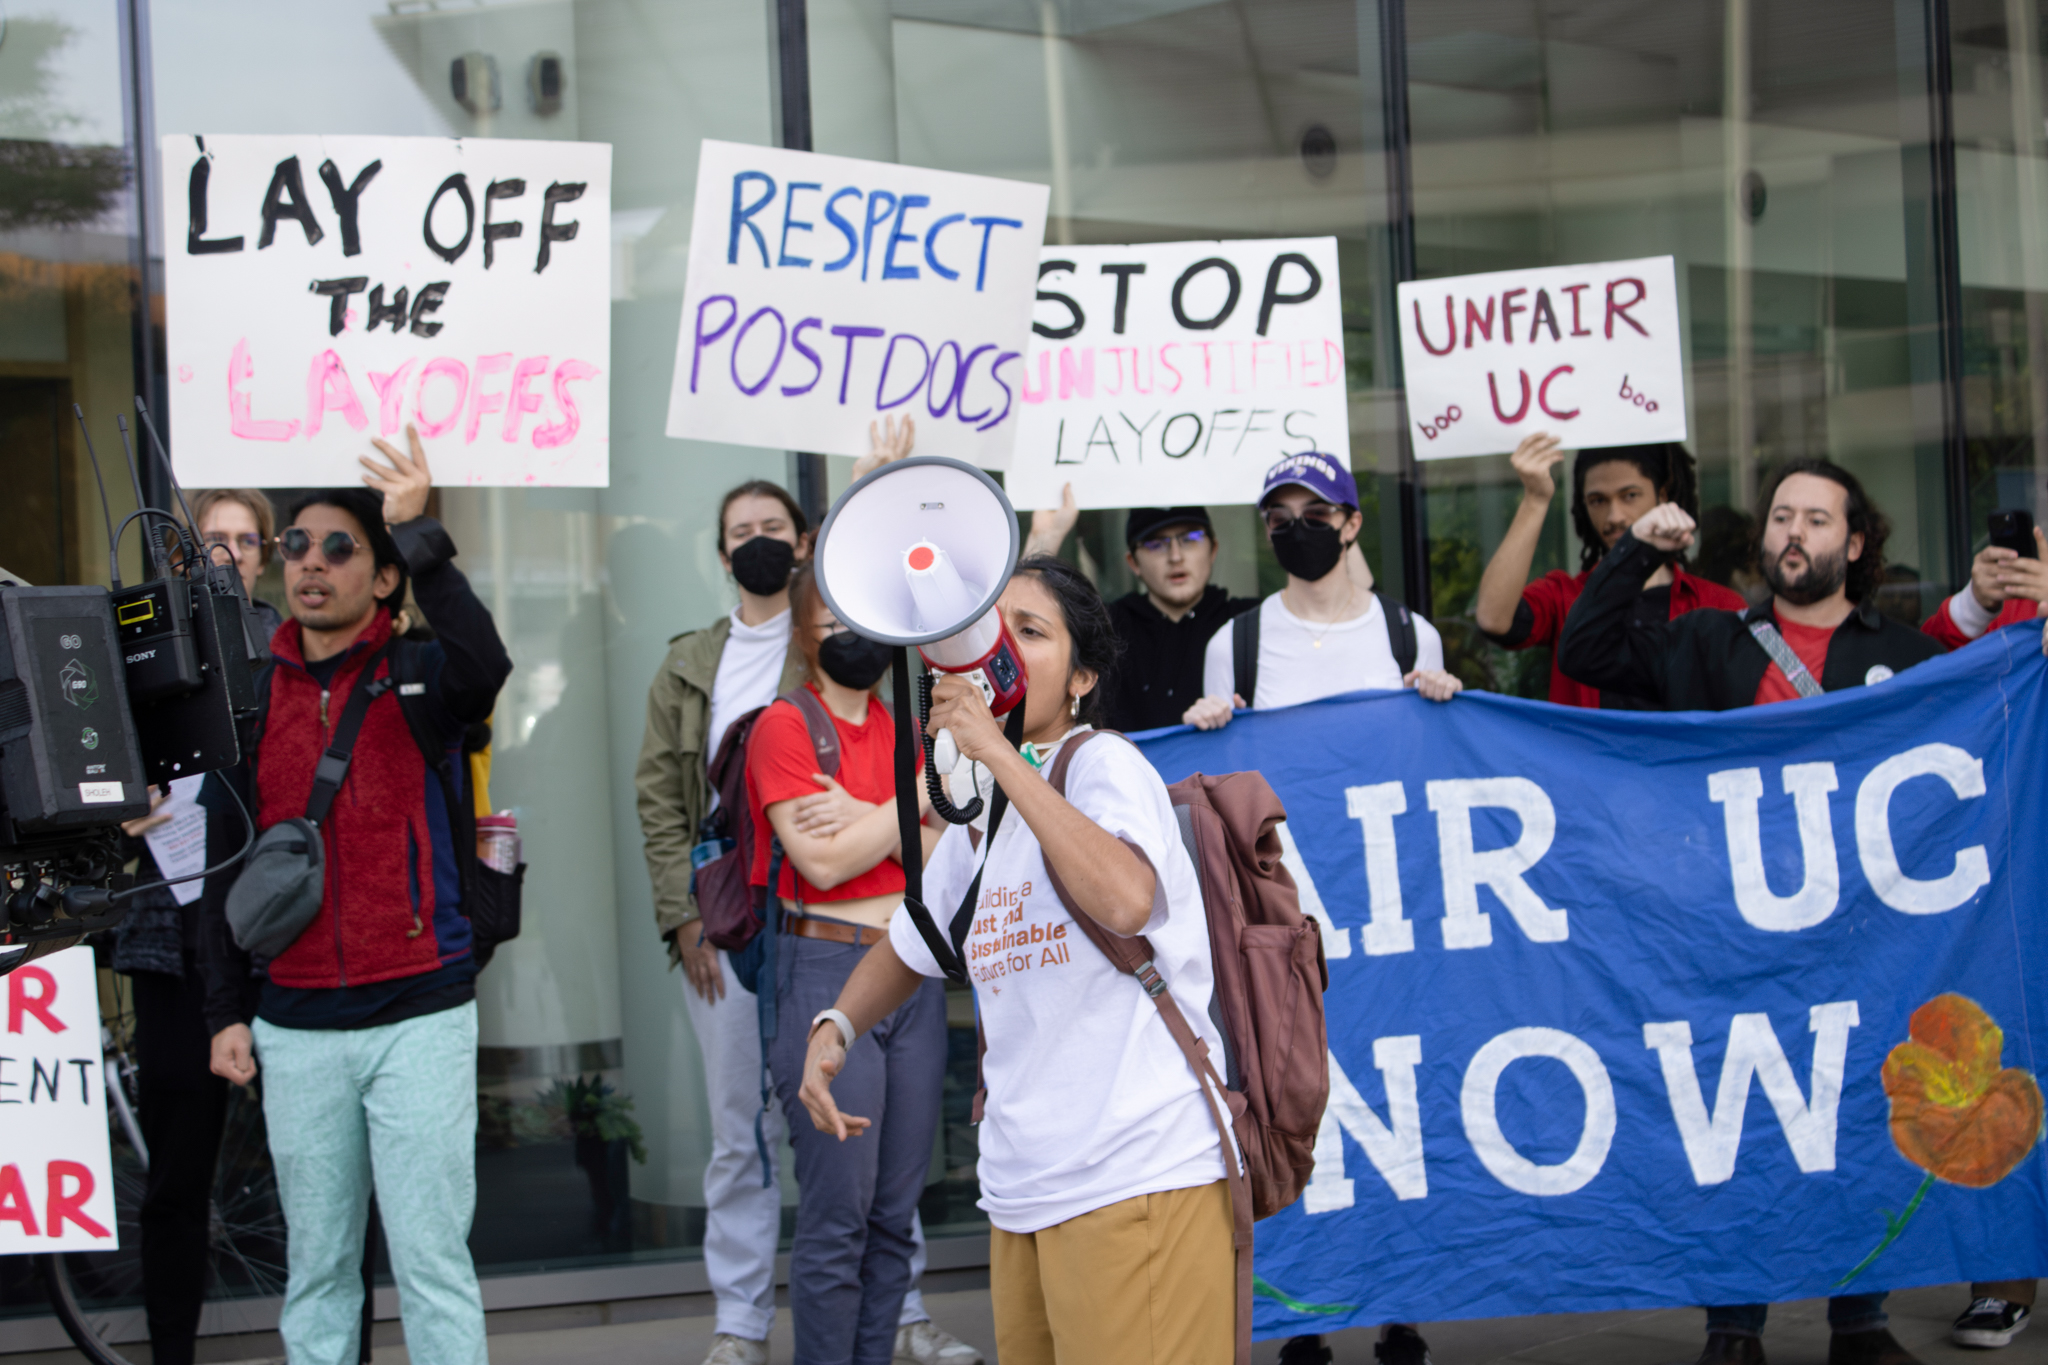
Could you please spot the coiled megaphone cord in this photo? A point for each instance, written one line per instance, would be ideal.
(947, 811)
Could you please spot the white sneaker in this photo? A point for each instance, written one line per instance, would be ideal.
(727, 1349)
(926, 1343)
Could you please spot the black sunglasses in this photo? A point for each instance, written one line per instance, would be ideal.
(336, 547)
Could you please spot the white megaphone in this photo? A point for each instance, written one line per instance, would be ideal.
(917, 553)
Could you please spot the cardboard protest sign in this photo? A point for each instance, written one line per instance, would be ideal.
(327, 290)
(1589, 353)
(56, 1171)
(1178, 372)
(826, 292)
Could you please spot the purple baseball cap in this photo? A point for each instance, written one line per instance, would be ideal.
(1321, 474)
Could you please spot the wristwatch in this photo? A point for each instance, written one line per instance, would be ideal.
(846, 1029)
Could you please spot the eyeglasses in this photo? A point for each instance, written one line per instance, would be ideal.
(1321, 513)
(336, 547)
(242, 540)
(1187, 540)
(826, 632)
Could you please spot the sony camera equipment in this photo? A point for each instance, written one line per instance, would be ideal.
(104, 694)
(2014, 530)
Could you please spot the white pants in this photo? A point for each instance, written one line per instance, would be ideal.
(743, 1216)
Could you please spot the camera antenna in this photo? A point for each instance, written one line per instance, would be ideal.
(142, 412)
(153, 536)
(106, 516)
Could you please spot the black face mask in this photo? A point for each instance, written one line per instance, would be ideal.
(852, 661)
(762, 565)
(1308, 549)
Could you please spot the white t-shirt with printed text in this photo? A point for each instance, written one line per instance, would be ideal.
(1293, 669)
(1090, 1101)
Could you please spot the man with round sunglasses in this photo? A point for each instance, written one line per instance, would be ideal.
(1166, 627)
(366, 1023)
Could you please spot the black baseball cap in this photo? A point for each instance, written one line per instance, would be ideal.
(1146, 521)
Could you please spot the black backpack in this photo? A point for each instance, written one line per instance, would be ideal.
(1244, 644)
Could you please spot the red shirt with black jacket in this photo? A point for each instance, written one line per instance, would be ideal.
(390, 941)
(1540, 618)
(1708, 660)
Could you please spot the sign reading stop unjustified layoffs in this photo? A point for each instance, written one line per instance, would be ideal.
(1589, 353)
(56, 1172)
(327, 290)
(1179, 372)
(826, 292)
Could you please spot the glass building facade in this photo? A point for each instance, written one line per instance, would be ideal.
(1853, 191)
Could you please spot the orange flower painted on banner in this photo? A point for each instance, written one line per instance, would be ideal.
(1956, 1113)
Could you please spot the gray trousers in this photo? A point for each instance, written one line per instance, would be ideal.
(850, 1261)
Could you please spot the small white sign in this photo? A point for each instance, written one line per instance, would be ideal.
(326, 290)
(1589, 353)
(97, 793)
(826, 292)
(1177, 373)
(56, 1165)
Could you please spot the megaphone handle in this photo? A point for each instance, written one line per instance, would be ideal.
(951, 814)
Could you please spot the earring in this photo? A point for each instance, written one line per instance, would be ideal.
(1075, 706)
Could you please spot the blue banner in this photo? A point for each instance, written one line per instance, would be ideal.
(1632, 1010)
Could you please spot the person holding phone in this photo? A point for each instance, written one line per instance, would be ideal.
(2008, 583)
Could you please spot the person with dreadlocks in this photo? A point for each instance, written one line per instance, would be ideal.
(1611, 488)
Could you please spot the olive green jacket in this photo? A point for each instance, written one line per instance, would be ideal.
(674, 792)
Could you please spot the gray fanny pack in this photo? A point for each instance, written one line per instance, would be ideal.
(278, 892)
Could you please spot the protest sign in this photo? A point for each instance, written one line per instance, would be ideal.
(327, 290)
(56, 1170)
(1589, 353)
(826, 293)
(1177, 373)
(1567, 948)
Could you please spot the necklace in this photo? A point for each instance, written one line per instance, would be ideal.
(1343, 611)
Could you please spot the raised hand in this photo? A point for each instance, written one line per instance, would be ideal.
(888, 441)
(405, 481)
(1534, 458)
(1050, 526)
(1664, 527)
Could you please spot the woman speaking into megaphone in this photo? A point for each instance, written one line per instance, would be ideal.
(1100, 1169)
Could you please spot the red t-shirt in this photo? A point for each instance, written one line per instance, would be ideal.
(1550, 600)
(780, 761)
(1810, 643)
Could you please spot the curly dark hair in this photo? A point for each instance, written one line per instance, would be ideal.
(1096, 646)
(1866, 573)
(1667, 466)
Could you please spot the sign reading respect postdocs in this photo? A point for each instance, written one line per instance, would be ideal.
(56, 1172)
(827, 292)
(1589, 353)
(1177, 373)
(327, 290)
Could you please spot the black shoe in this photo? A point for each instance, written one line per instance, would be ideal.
(1868, 1348)
(1990, 1322)
(1730, 1348)
(1403, 1346)
(1304, 1351)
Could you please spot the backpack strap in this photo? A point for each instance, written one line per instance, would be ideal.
(1400, 632)
(1789, 663)
(1244, 653)
(1134, 955)
(407, 660)
(824, 734)
(332, 770)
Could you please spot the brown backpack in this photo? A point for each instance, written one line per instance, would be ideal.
(1268, 999)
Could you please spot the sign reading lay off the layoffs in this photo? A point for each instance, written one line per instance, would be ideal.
(327, 290)
(826, 293)
(56, 1172)
(1177, 373)
(1589, 353)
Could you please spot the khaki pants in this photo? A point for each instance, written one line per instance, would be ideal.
(1147, 1281)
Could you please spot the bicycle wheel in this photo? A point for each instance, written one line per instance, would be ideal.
(98, 1295)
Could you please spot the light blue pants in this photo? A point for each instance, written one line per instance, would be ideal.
(395, 1105)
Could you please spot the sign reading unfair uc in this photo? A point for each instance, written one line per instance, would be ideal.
(327, 290)
(56, 1170)
(826, 292)
(1588, 352)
